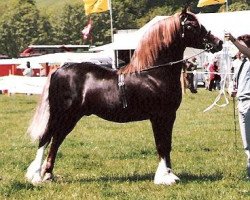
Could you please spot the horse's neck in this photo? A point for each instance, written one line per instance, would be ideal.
(173, 53)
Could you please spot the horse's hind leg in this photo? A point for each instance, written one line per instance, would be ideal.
(162, 127)
(62, 129)
(34, 170)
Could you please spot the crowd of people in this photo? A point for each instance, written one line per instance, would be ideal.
(211, 74)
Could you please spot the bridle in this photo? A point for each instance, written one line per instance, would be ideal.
(207, 44)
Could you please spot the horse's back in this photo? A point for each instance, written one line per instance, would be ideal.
(83, 86)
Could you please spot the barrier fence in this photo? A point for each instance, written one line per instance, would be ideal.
(21, 84)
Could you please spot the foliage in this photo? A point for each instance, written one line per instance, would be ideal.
(69, 25)
(20, 27)
(104, 160)
(238, 6)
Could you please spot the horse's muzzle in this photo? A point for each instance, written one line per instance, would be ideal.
(217, 47)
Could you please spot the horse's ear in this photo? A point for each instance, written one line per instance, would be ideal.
(184, 10)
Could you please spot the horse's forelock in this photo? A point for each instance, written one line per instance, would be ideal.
(159, 35)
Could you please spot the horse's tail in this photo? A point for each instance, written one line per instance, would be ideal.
(39, 123)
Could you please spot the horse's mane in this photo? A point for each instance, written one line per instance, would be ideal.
(158, 36)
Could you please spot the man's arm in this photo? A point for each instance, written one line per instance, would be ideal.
(240, 45)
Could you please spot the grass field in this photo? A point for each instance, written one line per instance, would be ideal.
(104, 160)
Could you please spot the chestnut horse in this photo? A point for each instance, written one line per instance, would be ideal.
(147, 88)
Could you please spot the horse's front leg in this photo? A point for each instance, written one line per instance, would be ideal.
(162, 128)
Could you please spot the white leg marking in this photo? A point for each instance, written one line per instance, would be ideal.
(248, 163)
(34, 170)
(248, 154)
(164, 175)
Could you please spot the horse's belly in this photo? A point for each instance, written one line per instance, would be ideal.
(123, 116)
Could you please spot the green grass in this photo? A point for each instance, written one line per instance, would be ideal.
(104, 160)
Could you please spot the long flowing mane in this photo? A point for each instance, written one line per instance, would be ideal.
(158, 36)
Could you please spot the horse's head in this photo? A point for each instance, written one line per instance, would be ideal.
(195, 35)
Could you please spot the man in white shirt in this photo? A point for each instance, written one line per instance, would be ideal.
(28, 71)
(242, 79)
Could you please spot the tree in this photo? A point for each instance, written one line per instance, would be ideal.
(237, 6)
(69, 24)
(156, 11)
(21, 27)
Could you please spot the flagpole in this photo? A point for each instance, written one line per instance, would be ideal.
(112, 35)
(111, 21)
(226, 5)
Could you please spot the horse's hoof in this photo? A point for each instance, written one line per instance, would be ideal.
(29, 176)
(33, 177)
(36, 179)
(168, 178)
(47, 177)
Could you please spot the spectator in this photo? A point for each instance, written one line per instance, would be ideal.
(215, 78)
(28, 71)
(191, 65)
(206, 74)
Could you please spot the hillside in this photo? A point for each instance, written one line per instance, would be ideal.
(49, 6)
(46, 6)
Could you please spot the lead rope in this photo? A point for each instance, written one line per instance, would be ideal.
(223, 80)
(207, 49)
(121, 82)
(235, 124)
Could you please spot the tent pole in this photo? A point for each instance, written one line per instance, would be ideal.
(111, 21)
(226, 5)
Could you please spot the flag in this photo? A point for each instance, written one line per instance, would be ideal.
(86, 32)
(95, 6)
(203, 3)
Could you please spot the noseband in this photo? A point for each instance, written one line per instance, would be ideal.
(208, 45)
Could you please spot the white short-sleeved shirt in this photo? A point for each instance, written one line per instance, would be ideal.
(243, 89)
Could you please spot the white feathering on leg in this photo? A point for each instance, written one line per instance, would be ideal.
(34, 170)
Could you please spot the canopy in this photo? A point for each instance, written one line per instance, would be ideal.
(217, 23)
(59, 58)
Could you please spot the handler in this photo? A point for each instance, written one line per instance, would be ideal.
(242, 80)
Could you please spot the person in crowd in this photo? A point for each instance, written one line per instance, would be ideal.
(242, 80)
(191, 65)
(28, 71)
(206, 74)
(214, 77)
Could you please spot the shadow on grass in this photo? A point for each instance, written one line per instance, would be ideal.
(112, 178)
(15, 187)
(184, 177)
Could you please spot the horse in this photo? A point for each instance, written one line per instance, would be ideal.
(148, 88)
